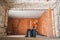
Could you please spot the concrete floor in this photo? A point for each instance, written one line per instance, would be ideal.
(17, 37)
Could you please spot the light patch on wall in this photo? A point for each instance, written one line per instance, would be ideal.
(25, 13)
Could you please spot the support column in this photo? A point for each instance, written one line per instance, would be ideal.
(3, 20)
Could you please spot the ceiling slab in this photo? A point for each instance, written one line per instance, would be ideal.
(29, 1)
(31, 4)
(25, 13)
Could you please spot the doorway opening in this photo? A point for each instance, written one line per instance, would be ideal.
(20, 20)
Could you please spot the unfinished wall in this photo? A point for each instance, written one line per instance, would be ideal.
(19, 25)
(46, 23)
(50, 11)
(3, 19)
(57, 19)
(43, 24)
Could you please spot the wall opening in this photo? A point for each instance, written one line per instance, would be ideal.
(44, 26)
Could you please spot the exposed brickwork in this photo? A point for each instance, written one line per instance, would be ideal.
(19, 26)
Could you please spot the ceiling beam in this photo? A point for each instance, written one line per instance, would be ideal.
(26, 5)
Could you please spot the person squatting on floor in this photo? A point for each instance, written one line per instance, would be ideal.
(32, 32)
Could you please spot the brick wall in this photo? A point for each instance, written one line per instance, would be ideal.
(19, 25)
(46, 23)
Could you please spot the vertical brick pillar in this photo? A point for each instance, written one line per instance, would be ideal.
(50, 21)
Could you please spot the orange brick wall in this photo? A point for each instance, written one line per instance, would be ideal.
(19, 25)
(43, 23)
(9, 28)
(51, 22)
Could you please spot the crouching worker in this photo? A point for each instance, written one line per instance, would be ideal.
(28, 31)
(32, 32)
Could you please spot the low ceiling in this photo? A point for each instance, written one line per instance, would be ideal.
(28, 1)
(28, 4)
(38, 4)
(25, 13)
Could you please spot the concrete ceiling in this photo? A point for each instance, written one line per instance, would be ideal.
(29, 1)
(28, 4)
(25, 13)
(38, 4)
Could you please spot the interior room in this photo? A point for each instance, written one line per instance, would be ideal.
(22, 19)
